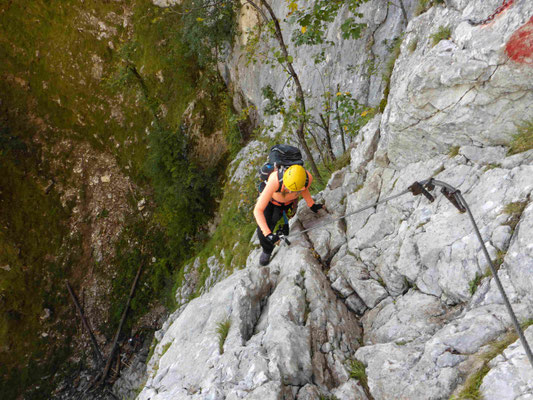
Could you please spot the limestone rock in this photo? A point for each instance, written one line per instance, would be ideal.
(348, 63)
(356, 278)
(402, 287)
(520, 256)
(365, 145)
(280, 321)
(484, 156)
(414, 316)
(246, 161)
(452, 93)
(511, 375)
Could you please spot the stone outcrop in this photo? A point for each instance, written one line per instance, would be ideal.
(465, 90)
(355, 66)
(510, 375)
(289, 335)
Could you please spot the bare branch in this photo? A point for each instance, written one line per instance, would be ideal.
(85, 323)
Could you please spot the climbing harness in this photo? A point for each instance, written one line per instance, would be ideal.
(505, 4)
(456, 198)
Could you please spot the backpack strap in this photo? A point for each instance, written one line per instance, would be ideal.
(281, 171)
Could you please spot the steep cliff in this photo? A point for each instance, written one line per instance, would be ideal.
(395, 301)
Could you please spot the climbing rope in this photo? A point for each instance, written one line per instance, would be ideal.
(456, 198)
(505, 4)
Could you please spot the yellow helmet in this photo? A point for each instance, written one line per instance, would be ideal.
(295, 178)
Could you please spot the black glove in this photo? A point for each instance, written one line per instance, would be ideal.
(272, 238)
(315, 207)
(284, 230)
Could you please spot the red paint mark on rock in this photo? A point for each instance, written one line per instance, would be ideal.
(519, 48)
(504, 6)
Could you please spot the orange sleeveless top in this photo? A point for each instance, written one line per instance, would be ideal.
(284, 197)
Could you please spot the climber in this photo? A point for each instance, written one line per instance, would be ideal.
(279, 199)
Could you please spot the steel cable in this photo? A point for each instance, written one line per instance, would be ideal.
(506, 301)
(385, 200)
(457, 199)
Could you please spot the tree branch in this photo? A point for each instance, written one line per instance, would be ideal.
(85, 324)
(205, 6)
(299, 90)
(119, 329)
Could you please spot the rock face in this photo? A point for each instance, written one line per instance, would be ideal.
(356, 66)
(401, 287)
(289, 335)
(511, 376)
(465, 90)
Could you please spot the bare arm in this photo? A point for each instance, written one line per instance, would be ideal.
(306, 195)
(262, 203)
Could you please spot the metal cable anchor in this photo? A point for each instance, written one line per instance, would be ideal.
(416, 189)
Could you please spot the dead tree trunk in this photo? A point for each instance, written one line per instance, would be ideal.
(119, 329)
(341, 128)
(314, 137)
(99, 358)
(326, 127)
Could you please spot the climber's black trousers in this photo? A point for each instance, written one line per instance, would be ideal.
(273, 213)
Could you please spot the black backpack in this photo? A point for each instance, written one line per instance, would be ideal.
(281, 156)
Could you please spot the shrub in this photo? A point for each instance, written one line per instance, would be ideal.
(412, 45)
(222, 332)
(165, 348)
(523, 139)
(207, 29)
(444, 32)
(473, 382)
(500, 256)
(357, 371)
(389, 67)
(515, 210)
(327, 169)
(453, 151)
(314, 20)
(474, 283)
(424, 5)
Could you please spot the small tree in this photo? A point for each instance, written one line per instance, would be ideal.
(312, 22)
(283, 57)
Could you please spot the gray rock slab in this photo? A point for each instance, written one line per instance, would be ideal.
(519, 258)
(414, 316)
(352, 276)
(511, 375)
(453, 93)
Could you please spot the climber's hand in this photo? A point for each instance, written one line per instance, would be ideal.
(272, 238)
(317, 207)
